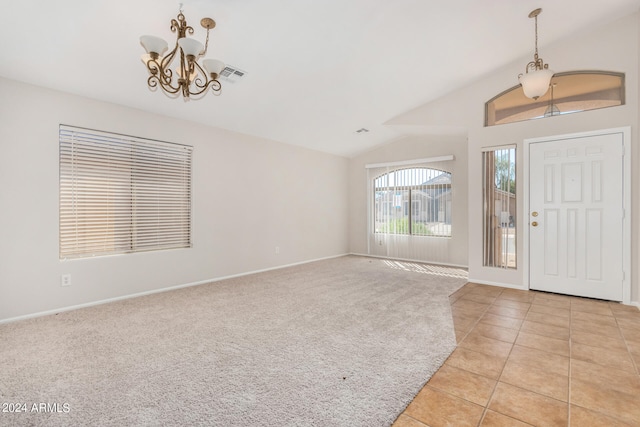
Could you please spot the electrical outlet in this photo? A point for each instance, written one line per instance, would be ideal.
(65, 280)
(277, 250)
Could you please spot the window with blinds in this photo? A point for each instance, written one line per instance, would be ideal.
(499, 197)
(414, 201)
(121, 194)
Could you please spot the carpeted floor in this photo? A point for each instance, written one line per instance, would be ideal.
(343, 342)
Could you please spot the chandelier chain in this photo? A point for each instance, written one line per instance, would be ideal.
(536, 23)
(206, 43)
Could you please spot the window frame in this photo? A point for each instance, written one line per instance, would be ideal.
(526, 104)
(121, 194)
(409, 201)
(494, 236)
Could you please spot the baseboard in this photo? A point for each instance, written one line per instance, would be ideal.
(502, 285)
(411, 260)
(156, 291)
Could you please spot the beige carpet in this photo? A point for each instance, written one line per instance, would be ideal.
(342, 342)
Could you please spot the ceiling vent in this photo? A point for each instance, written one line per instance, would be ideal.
(231, 74)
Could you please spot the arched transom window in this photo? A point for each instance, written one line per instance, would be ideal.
(569, 92)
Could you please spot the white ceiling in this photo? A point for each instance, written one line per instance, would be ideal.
(317, 70)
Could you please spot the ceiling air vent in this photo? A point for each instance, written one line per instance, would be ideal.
(231, 74)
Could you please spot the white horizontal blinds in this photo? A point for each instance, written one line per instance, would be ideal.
(121, 194)
(499, 196)
(409, 204)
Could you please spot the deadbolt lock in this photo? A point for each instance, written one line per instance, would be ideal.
(534, 213)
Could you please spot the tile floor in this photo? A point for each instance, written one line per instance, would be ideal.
(532, 358)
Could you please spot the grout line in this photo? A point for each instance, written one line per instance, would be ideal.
(409, 416)
(477, 321)
(486, 407)
(570, 362)
(626, 344)
(474, 323)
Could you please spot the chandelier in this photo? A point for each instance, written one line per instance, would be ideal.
(535, 81)
(188, 77)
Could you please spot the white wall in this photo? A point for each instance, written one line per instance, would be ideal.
(447, 251)
(613, 47)
(249, 196)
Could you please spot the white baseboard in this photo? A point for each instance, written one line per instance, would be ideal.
(156, 291)
(411, 260)
(502, 285)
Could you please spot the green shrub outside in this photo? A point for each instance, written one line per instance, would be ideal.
(401, 226)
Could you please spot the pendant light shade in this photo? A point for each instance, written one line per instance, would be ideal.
(191, 46)
(213, 66)
(153, 44)
(536, 83)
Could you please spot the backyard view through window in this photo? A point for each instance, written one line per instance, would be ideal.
(499, 200)
(413, 201)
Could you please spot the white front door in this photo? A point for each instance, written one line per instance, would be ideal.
(576, 216)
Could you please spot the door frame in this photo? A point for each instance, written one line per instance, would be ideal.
(626, 200)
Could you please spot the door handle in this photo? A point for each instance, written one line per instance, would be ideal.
(534, 223)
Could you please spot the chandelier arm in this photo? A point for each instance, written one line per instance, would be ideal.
(213, 84)
(199, 83)
(202, 85)
(153, 67)
(156, 70)
(169, 57)
(153, 82)
(160, 75)
(536, 64)
(200, 73)
(184, 76)
(168, 87)
(165, 64)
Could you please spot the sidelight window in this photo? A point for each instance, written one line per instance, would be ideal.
(499, 202)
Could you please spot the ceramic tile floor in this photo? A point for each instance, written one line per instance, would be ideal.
(532, 358)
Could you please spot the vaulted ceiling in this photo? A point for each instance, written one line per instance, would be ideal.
(316, 70)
